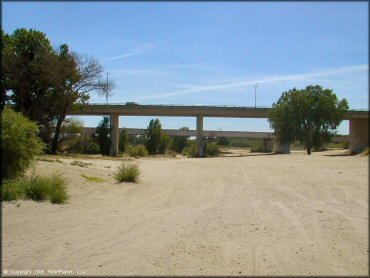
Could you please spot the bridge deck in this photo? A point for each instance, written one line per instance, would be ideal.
(188, 111)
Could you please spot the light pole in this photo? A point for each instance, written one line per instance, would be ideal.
(255, 95)
(107, 89)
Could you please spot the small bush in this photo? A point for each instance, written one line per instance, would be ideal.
(164, 143)
(80, 163)
(171, 153)
(58, 193)
(37, 188)
(127, 172)
(211, 149)
(138, 150)
(93, 179)
(190, 150)
(92, 148)
(12, 190)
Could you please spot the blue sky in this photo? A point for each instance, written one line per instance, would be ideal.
(210, 53)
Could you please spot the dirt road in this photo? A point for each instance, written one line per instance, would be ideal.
(252, 215)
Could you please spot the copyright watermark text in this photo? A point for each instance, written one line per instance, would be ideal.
(26, 272)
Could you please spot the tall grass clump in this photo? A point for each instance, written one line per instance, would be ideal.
(127, 172)
(58, 192)
(37, 188)
(12, 190)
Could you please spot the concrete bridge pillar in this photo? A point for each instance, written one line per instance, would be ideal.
(358, 134)
(114, 134)
(199, 136)
(267, 144)
(283, 148)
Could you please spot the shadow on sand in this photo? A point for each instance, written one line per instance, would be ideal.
(349, 153)
(222, 154)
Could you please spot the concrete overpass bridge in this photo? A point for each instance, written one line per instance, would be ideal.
(358, 127)
(193, 133)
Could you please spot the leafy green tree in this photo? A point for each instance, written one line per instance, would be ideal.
(310, 115)
(153, 136)
(103, 138)
(44, 83)
(83, 76)
(123, 140)
(27, 72)
(164, 143)
(20, 143)
(179, 142)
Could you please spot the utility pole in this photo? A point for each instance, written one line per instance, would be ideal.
(255, 95)
(107, 90)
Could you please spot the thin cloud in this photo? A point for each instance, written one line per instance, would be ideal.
(125, 55)
(141, 49)
(161, 69)
(271, 79)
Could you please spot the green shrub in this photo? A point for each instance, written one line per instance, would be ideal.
(127, 172)
(164, 143)
(92, 148)
(58, 193)
(179, 142)
(12, 190)
(123, 140)
(223, 141)
(138, 150)
(37, 188)
(171, 153)
(20, 144)
(190, 150)
(211, 149)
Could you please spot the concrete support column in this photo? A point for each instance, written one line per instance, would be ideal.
(267, 144)
(358, 134)
(114, 134)
(199, 136)
(283, 148)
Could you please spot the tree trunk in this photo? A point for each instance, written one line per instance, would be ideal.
(61, 118)
(54, 145)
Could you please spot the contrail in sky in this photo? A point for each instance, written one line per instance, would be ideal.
(270, 79)
(138, 51)
(160, 69)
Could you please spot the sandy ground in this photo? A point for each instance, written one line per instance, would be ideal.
(244, 215)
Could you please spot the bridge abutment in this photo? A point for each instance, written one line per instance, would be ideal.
(199, 137)
(358, 134)
(114, 134)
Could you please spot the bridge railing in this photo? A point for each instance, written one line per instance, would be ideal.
(175, 105)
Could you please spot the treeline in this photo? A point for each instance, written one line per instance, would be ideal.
(44, 82)
(153, 142)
